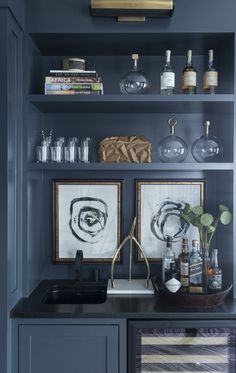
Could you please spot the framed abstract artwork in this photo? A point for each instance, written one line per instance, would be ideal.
(159, 207)
(87, 216)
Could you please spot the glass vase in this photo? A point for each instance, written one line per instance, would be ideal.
(206, 262)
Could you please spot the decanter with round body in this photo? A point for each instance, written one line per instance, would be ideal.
(172, 148)
(134, 82)
(207, 148)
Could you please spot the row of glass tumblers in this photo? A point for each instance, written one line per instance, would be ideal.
(74, 151)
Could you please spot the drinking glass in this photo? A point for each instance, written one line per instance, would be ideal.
(56, 153)
(70, 153)
(84, 150)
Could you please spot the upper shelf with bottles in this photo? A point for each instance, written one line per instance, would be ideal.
(110, 56)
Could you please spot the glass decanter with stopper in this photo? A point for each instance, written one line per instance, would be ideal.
(135, 81)
(172, 148)
(207, 148)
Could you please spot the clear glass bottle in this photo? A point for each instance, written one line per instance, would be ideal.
(195, 269)
(167, 77)
(214, 273)
(210, 78)
(207, 148)
(189, 76)
(184, 266)
(134, 82)
(168, 258)
(172, 148)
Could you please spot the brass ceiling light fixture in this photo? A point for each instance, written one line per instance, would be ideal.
(132, 10)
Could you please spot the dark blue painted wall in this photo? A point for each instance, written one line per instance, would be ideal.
(74, 16)
(10, 180)
(17, 7)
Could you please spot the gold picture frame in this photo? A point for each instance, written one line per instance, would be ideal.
(86, 216)
(159, 203)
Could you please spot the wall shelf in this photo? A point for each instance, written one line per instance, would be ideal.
(133, 103)
(154, 166)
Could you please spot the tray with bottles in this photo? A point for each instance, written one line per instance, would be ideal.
(206, 299)
(189, 281)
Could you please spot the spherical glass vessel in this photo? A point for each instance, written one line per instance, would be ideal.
(207, 148)
(172, 148)
(134, 82)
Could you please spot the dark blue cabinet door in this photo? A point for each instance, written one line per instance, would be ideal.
(68, 349)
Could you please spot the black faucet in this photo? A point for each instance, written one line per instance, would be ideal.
(78, 263)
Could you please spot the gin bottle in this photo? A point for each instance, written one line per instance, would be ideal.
(189, 77)
(210, 78)
(168, 258)
(167, 77)
(172, 278)
(195, 269)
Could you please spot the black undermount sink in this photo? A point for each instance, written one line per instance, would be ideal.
(76, 293)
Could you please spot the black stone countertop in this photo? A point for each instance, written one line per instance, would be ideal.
(125, 306)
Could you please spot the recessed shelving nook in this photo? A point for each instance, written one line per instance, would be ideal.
(116, 114)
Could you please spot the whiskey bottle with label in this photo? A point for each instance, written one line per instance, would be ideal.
(214, 273)
(195, 269)
(184, 266)
(167, 77)
(168, 258)
(210, 78)
(189, 76)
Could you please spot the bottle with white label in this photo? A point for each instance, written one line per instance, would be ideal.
(172, 278)
(210, 78)
(167, 77)
(189, 76)
(168, 258)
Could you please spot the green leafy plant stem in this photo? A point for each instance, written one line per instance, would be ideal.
(212, 234)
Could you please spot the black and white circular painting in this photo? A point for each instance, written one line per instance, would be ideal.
(88, 216)
(160, 208)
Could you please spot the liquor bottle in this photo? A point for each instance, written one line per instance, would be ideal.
(168, 258)
(195, 269)
(189, 77)
(135, 81)
(172, 278)
(184, 266)
(214, 273)
(167, 77)
(210, 78)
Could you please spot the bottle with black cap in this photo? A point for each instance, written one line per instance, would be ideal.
(168, 258)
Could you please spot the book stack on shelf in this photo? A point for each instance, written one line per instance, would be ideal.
(73, 82)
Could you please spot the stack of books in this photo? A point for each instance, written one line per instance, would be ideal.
(73, 82)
